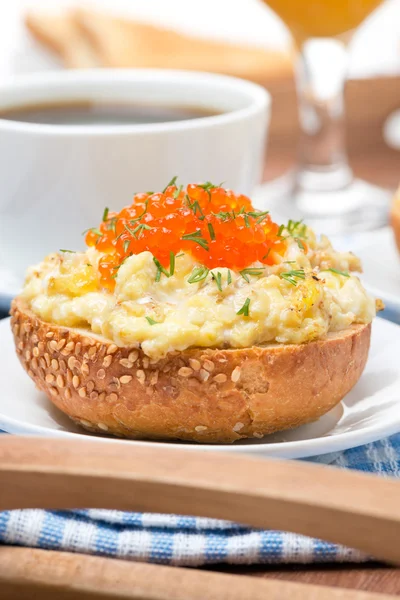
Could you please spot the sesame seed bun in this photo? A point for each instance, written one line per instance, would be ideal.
(203, 395)
(395, 218)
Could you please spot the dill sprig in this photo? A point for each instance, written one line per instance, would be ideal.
(162, 270)
(211, 231)
(217, 277)
(70, 251)
(256, 271)
(198, 274)
(196, 237)
(151, 321)
(343, 273)
(292, 277)
(172, 182)
(105, 213)
(245, 308)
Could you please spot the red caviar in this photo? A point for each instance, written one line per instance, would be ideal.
(217, 227)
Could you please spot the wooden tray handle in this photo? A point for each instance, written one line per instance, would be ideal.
(357, 510)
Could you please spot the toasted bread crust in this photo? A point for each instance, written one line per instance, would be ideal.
(203, 395)
(395, 218)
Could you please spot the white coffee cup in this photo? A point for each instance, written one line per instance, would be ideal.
(55, 180)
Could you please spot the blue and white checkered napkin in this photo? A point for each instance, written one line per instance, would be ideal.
(189, 541)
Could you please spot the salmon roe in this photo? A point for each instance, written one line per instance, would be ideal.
(216, 226)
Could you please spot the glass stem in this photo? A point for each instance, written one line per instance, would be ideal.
(321, 75)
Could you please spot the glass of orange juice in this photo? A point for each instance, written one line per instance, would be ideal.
(324, 191)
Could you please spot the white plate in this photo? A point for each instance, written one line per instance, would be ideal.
(381, 266)
(369, 412)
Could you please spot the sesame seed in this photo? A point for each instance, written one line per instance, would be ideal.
(69, 376)
(67, 394)
(220, 378)
(50, 334)
(238, 426)
(90, 386)
(71, 362)
(52, 345)
(257, 434)
(42, 363)
(112, 397)
(146, 362)
(185, 371)
(82, 392)
(78, 347)
(208, 365)
(35, 351)
(200, 428)
(69, 347)
(63, 365)
(28, 355)
(34, 338)
(54, 364)
(92, 352)
(101, 374)
(30, 373)
(20, 345)
(154, 378)
(101, 396)
(102, 426)
(125, 378)
(141, 376)
(85, 368)
(195, 364)
(61, 344)
(60, 381)
(235, 374)
(126, 363)
(94, 395)
(34, 363)
(47, 359)
(133, 356)
(85, 423)
(41, 347)
(204, 375)
(112, 349)
(76, 381)
(50, 378)
(41, 373)
(53, 391)
(107, 361)
(28, 327)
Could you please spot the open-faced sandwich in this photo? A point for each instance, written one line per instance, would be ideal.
(193, 316)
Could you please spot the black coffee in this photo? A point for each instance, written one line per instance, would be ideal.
(98, 113)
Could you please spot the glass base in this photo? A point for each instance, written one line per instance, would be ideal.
(360, 206)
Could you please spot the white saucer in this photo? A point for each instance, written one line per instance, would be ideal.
(381, 267)
(369, 412)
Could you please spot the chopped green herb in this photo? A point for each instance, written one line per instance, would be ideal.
(63, 250)
(88, 265)
(211, 230)
(280, 230)
(296, 228)
(126, 245)
(93, 230)
(197, 238)
(150, 193)
(105, 213)
(177, 192)
(111, 224)
(246, 221)
(339, 272)
(229, 277)
(171, 263)
(245, 308)
(142, 214)
(266, 255)
(198, 274)
(292, 276)
(139, 229)
(151, 321)
(129, 230)
(172, 182)
(180, 254)
(218, 280)
(160, 269)
(251, 271)
(195, 207)
(300, 243)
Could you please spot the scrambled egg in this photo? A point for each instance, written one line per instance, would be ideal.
(297, 300)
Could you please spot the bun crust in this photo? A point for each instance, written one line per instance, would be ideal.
(203, 395)
(395, 218)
